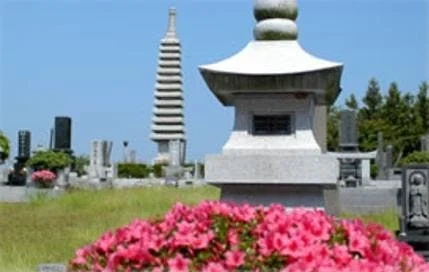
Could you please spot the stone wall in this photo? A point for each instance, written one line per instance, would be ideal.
(362, 200)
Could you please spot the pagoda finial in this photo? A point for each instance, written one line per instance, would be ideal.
(276, 20)
(171, 32)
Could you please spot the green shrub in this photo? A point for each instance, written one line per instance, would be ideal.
(157, 169)
(132, 170)
(374, 170)
(418, 157)
(79, 164)
(49, 160)
(4, 145)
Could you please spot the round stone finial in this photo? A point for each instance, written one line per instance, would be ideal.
(268, 9)
(276, 20)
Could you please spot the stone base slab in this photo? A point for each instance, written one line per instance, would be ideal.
(291, 196)
(271, 169)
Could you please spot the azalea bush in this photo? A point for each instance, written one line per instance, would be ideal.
(44, 178)
(216, 236)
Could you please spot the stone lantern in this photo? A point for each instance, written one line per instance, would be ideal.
(277, 149)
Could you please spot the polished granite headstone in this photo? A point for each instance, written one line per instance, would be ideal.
(348, 131)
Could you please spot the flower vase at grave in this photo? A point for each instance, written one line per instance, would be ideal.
(43, 178)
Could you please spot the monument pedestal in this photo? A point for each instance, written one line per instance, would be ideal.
(292, 180)
(419, 241)
(311, 195)
(414, 221)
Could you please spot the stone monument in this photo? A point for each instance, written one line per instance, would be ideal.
(19, 174)
(424, 140)
(381, 157)
(414, 222)
(99, 164)
(168, 123)
(349, 167)
(276, 151)
(197, 171)
(62, 134)
(348, 131)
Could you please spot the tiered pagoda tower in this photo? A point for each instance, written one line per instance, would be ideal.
(168, 122)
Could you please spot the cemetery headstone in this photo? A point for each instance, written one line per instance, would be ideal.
(366, 171)
(18, 176)
(63, 134)
(62, 180)
(348, 131)
(187, 175)
(414, 221)
(389, 157)
(381, 157)
(100, 164)
(425, 143)
(197, 171)
(52, 268)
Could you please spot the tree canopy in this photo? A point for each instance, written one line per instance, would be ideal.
(4, 146)
(49, 160)
(402, 117)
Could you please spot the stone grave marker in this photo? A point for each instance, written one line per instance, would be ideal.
(197, 170)
(425, 143)
(414, 221)
(52, 268)
(348, 131)
(100, 159)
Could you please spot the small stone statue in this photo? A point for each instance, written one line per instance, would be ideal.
(418, 196)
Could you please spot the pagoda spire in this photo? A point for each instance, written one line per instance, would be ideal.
(168, 122)
(171, 31)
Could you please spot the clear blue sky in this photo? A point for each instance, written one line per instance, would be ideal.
(96, 61)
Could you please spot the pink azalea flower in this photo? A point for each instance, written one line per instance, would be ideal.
(214, 267)
(299, 236)
(178, 264)
(234, 259)
(233, 238)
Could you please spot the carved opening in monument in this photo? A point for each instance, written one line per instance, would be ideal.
(272, 124)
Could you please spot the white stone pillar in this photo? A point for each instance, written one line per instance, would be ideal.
(366, 171)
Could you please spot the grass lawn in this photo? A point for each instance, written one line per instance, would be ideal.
(49, 230)
(389, 219)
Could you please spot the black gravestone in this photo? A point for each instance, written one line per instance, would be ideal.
(18, 176)
(414, 222)
(24, 144)
(348, 131)
(62, 134)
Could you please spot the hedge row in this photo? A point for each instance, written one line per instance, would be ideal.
(419, 157)
(138, 170)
